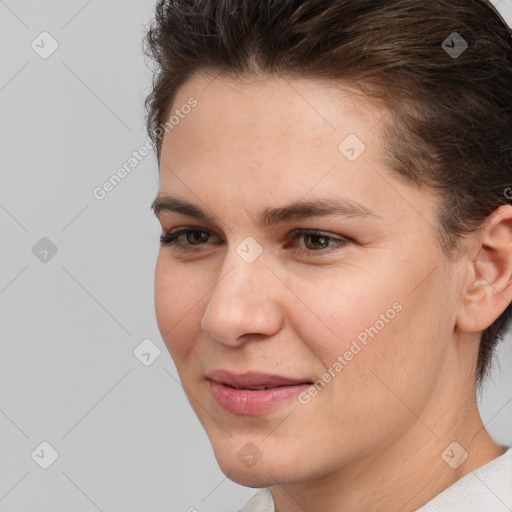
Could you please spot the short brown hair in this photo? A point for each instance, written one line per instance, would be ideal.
(450, 125)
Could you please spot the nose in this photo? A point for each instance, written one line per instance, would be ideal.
(244, 303)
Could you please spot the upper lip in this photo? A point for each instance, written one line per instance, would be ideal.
(251, 378)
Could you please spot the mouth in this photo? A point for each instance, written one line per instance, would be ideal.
(253, 393)
(254, 381)
(254, 388)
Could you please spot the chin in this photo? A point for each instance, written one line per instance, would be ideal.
(248, 477)
(251, 468)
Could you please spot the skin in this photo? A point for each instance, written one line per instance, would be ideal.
(372, 438)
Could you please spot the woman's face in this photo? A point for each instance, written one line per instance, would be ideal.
(310, 263)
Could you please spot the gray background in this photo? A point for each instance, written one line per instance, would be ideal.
(124, 432)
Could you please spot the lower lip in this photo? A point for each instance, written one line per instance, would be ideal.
(247, 402)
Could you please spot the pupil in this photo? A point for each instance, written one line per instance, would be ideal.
(316, 239)
(196, 237)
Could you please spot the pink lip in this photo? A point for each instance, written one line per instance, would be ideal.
(252, 402)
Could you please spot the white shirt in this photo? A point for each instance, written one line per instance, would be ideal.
(487, 489)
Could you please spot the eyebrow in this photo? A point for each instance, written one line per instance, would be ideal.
(342, 207)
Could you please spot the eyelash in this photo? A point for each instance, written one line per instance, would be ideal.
(171, 239)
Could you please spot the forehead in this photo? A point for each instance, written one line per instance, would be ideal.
(268, 121)
(268, 106)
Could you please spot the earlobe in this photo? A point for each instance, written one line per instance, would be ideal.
(488, 289)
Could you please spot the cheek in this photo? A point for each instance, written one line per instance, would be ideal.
(177, 302)
(376, 322)
(393, 352)
(338, 309)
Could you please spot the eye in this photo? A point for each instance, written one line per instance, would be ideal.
(185, 238)
(311, 242)
(316, 241)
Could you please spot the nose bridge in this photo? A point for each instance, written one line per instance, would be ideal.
(241, 301)
(244, 268)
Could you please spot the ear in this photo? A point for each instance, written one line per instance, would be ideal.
(488, 287)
